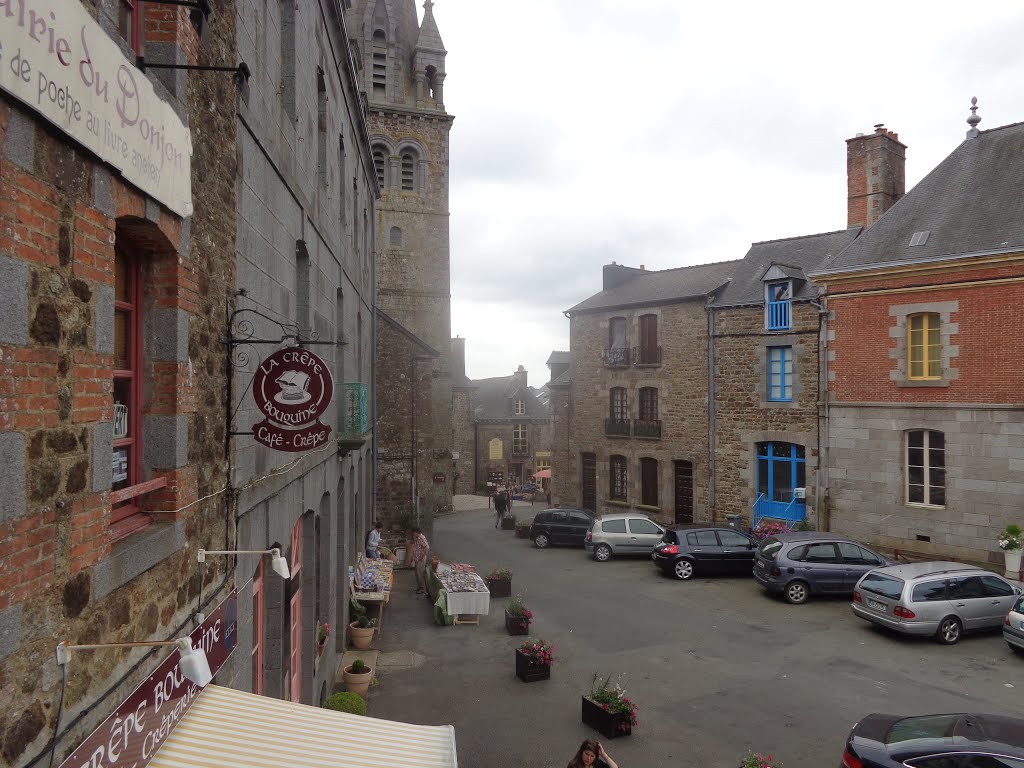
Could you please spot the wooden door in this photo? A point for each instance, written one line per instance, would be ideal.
(589, 481)
(684, 491)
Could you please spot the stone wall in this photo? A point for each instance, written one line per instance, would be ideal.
(464, 429)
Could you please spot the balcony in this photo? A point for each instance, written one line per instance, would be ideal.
(616, 357)
(647, 428)
(646, 356)
(778, 315)
(616, 427)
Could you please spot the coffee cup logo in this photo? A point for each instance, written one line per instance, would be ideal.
(293, 388)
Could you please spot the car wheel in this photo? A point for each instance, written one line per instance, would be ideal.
(949, 631)
(683, 569)
(602, 553)
(541, 540)
(797, 592)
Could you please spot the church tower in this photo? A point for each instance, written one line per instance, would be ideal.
(402, 75)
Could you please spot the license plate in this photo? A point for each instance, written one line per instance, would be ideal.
(877, 606)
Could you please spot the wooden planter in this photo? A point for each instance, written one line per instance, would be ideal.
(611, 725)
(508, 523)
(529, 672)
(499, 587)
(517, 625)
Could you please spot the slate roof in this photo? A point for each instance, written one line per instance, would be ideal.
(494, 400)
(558, 358)
(429, 38)
(663, 286)
(795, 257)
(972, 202)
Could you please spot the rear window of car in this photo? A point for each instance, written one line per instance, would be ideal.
(880, 584)
(614, 526)
(927, 727)
(769, 548)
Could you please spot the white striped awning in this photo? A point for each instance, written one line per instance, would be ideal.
(226, 728)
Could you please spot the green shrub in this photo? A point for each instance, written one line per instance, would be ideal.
(358, 667)
(346, 701)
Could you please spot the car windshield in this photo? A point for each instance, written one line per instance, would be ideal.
(769, 548)
(880, 584)
(928, 727)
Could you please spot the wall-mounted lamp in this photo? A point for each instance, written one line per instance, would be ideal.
(193, 663)
(278, 563)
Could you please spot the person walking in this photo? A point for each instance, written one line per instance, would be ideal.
(591, 753)
(500, 506)
(420, 550)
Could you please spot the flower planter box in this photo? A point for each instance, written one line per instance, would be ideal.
(529, 672)
(508, 524)
(523, 532)
(499, 587)
(611, 725)
(517, 625)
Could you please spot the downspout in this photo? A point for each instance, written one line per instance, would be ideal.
(412, 445)
(822, 388)
(711, 413)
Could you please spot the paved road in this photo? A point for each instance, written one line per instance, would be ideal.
(716, 667)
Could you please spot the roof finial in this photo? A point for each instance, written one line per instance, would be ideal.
(973, 120)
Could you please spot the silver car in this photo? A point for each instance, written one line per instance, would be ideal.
(622, 534)
(1013, 627)
(935, 598)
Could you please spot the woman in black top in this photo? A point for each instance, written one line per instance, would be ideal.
(591, 754)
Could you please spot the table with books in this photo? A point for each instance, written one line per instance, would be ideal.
(460, 595)
(372, 580)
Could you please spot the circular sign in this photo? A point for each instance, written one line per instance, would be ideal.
(293, 387)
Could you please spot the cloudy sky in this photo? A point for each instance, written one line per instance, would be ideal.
(670, 132)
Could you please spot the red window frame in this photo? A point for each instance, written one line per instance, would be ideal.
(127, 516)
(257, 630)
(131, 30)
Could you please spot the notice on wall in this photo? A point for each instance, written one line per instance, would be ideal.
(495, 449)
(119, 466)
(57, 60)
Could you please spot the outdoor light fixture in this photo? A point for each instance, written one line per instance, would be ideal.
(193, 663)
(278, 563)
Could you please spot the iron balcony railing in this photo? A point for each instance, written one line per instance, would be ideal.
(616, 357)
(647, 356)
(778, 315)
(647, 428)
(616, 427)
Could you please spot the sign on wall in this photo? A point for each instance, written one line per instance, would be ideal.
(293, 389)
(56, 59)
(494, 449)
(133, 732)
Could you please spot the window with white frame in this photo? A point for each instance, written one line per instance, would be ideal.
(520, 407)
(926, 467)
(520, 441)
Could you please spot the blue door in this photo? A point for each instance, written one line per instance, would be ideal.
(781, 467)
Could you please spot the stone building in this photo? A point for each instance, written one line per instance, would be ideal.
(564, 485)
(402, 73)
(463, 432)
(116, 266)
(637, 401)
(925, 420)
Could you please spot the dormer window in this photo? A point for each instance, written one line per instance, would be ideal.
(520, 407)
(777, 305)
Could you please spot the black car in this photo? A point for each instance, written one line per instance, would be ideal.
(935, 741)
(561, 526)
(686, 551)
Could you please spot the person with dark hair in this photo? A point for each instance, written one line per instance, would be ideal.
(500, 506)
(373, 541)
(420, 550)
(591, 753)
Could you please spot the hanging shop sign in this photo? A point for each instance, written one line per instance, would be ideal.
(293, 389)
(131, 735)
(57, 60)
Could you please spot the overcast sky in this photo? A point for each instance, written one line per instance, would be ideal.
(669, 132)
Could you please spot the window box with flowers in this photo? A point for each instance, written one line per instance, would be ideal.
(757, 760)
(767, 527)
(533, 661)
(517, 617)
(608, 710)
(499, 582)
(323, 631)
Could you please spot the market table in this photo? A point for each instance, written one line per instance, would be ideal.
(383, 578)
(458, 593)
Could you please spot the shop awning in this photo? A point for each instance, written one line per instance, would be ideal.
(226, 728)
(544, 473)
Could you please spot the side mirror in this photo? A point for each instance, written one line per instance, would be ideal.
(1018, 590)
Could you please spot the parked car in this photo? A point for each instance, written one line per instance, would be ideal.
(936, 598)
(1013, 627)
(561, 526)
(806, 563)
(622, 534)
(689, 550)
(935, 741)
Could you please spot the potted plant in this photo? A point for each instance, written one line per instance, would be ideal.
(508, 523)
(533, 661)
(346, 701)
(1010, 542)
(522, 529)
(357, 677)
(362, 627)
(757, 760)
(608, 710)
(499, 582)
(323, 631)
(517, 617)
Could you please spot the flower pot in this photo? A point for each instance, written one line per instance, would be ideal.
(517, 625)
(1012, 558)
(499, 587)
(357, 683)
(530, 672)
(361, 636)
(508, 524)
(611, 725)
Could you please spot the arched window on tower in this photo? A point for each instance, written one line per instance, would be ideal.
(432, 81)
(395, 238)
(408, 171)
(379, 164)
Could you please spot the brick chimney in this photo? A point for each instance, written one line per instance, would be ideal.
(874, 175)
(615, 275)
(520, 376)
(458, 362)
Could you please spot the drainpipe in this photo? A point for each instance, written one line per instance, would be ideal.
(822, 388)
(712, 490)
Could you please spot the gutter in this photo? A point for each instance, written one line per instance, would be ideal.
(857, 268)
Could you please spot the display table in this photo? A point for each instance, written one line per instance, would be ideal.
(458, 595)
(382, 573)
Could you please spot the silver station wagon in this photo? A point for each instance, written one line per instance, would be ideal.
(941, 599)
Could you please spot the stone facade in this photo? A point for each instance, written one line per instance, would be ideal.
(71, 567)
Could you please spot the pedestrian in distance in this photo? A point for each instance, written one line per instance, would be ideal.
(420, 550)
(591, 753)
(500, 505)
(373, 541)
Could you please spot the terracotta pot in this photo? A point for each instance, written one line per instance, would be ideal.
(361, 636)
(357, 683)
